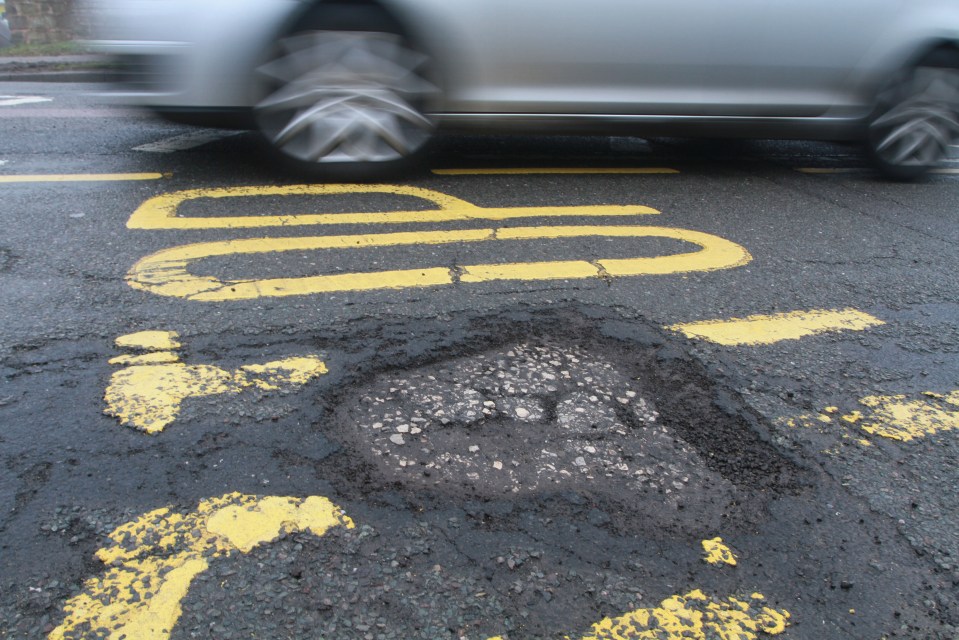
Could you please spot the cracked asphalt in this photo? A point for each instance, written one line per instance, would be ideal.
(535, 456)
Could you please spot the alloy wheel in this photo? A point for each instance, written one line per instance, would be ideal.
(345, 97)
(917, 120)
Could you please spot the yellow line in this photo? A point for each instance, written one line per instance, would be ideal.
(758, 329)
(552, 171)
(83, 177)
(166, 272)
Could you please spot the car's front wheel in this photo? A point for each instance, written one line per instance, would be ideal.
(916, 118)
(345, 102)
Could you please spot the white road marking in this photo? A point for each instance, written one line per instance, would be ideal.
(14, 101)
(184, 141)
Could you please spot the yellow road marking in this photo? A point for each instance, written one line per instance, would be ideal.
(154, 560)
(897, 417)
(695, 616)
(149, 340)
(82, 177)
(147, 394)
(718, 553)
(156, 357)
(160, 212)
(768, 329)
(165, 272)
(554, 171)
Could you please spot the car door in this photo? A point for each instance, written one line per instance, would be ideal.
(682, 57)
(814, 52)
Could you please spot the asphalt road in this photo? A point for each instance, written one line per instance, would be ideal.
(547, 387)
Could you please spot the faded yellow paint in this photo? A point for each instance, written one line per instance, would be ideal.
(154, 560)
(147, 395)
(896, 417)
(150, 340)
(82, 177)
(693, 616)
(160, 212)
(245, 528)
(555, 171)
(899, 418)
(156, 357)
(278, 374)
(718, 553)
(768, 329)
(166, 272)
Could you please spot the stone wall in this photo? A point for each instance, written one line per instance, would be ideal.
(43, 21)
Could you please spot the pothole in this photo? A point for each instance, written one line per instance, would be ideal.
(545, 415)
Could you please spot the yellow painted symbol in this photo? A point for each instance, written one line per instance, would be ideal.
(148, 392)
(160, 212)
(896, 417)
(154, 559)
(768, 329)
(718, 553)
(165, 272)
(168, 272)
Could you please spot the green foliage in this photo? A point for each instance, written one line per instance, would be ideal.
(68, 47)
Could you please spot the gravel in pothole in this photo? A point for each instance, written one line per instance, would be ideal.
(529, 418)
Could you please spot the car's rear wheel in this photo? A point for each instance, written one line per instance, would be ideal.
(345, 102)
(916, 118)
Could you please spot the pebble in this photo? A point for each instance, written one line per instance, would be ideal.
(397, 438)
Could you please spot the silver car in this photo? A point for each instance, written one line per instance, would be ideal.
(362, 85)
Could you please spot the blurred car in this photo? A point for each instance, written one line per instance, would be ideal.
(363, 84)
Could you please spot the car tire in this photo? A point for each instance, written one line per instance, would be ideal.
(916, 118)
(345, 102)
